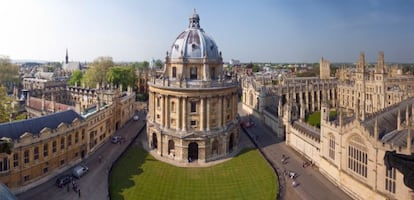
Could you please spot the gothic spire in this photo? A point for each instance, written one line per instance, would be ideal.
(67, 56)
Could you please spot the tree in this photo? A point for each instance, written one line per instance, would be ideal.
(124, 76)
(76, 78)
(145, 64)
(97, 71)
(9, 73)
(158, 63)
(5, 105)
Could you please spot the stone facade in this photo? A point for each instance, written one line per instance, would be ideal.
(49, 146)
(192, 105)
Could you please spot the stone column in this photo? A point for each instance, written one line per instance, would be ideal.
(208, 99)
(313, 100)
(202, 113)
(318, 97)
(220, 111)
(167, 112)
(184, 118)
(179, 114)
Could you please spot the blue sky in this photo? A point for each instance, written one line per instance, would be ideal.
(258, 31)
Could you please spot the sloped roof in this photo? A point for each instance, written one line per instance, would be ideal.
(36, 103)
(14, 130)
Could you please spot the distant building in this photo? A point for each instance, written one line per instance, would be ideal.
(69, 67)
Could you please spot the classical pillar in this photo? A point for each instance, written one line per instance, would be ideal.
(168, 112)
(208, 99)
(184, 118)
(179, 114)
(202, 113)
(220, 111)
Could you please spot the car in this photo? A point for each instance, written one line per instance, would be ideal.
(63, 180)
(116, 139)
(136, 117)
(79, 171)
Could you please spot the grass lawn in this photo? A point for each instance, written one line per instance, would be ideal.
(137, 175)
(314, 118)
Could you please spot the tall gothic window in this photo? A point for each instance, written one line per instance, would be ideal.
(45, 150)
(26, 157)
(15, 160)
(332, 147)
(357, 157)
(390, 176)
(4, 164)
(36, 153)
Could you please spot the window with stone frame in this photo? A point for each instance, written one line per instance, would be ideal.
(173, 106)
(158, 102)
(174, 72)
(45, 150)
(36, 153)
(357, 157)
(193, 106)
(69, 140)
(76, 137)
(54, 146)
(15, 159)
(4, 164)
(331, 147)
(193, 72)
(62, 143)
(390, 176)
(26, 156)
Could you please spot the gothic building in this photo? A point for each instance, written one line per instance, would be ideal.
(374, 114)
(192, 105)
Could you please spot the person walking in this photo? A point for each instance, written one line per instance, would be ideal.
(79, 194)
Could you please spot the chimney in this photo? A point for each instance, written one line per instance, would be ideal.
(53, 103)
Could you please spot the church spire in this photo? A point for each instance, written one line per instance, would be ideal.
(194, 20)
(67, 56)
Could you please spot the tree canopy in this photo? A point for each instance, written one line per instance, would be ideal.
(5, 105)
(76, 78)
(124, 76)
(97, 71)
(9, 73)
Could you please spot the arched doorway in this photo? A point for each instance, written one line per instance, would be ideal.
(231, 142)
(171, 147)
(214, 148)
(192, 151)
(154, 141)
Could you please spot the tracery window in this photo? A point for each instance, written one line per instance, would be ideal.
(332, 147)
(390, 176)
(357, 157)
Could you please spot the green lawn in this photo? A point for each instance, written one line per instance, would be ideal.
(314, 118)
(137, 175)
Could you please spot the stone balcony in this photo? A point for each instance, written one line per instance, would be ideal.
(192, 84)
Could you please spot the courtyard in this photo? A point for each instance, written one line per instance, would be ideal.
(138, 175)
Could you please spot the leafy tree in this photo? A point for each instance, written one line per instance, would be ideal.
(145, 64)
(158, 63)
(76, 78)
(124, 76)
(5, 105)
(97, 71)
(256, 68)
(9, 73)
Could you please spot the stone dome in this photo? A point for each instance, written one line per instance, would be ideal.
(194, 42)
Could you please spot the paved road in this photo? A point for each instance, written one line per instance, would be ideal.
(312, 185)
(94, 185)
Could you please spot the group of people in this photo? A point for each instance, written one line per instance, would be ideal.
(74, 187)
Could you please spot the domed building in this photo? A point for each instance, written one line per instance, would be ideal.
(192, 104)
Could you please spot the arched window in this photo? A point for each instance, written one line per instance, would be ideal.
(357, 156)
(251, 99)
(174, 72)
(214, 148)
(331, 147)
(172, 106)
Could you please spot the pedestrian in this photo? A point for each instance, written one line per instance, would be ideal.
(67, 187)
(79, 193)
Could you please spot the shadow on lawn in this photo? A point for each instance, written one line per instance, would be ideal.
(127, 167)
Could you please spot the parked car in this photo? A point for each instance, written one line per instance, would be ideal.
(79, 171)
(116, 139)
(63, 180)
(136, 117)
